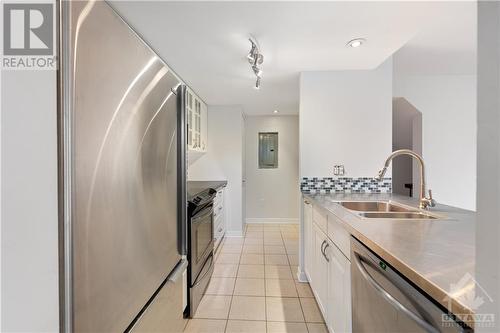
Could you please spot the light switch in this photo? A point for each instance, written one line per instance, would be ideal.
(338, 170)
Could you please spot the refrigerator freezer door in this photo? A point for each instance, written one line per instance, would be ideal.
(165, 313)
(123, 136)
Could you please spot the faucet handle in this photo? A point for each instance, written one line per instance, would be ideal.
(381, 174)
(432, 202)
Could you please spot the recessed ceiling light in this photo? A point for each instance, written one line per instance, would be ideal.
(275, 111)
(356, 42)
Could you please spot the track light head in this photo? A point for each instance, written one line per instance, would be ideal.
(255, 58)
(257, 83)
(257, 71)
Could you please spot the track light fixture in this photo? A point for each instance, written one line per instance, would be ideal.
(255, 58)
(257, 83)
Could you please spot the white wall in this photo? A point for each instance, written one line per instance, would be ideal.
(416, 147)
(488, 160)
(404, 118)
(224, 160)
(345, 118)
(29, 232)
(448, 107)
(272, 195)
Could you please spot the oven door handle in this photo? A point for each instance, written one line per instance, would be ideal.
(389, 298)
(200, 278)
(201, 214)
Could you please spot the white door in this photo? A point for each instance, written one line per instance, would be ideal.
(339, 291)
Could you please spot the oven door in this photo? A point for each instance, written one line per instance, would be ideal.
(202, 239)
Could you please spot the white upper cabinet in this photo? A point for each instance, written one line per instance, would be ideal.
(196, 113)
(204, 127)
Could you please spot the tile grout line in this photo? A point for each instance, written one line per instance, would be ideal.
(232, 295)
(265, 279)
(297, 291)
(228, 313)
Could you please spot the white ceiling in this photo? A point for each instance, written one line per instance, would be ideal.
(447, 45)
(206, 43)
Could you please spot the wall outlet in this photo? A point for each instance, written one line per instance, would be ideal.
(338, 170)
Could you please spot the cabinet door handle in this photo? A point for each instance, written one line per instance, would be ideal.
(323, 244)
(324, 252)
(307, 202)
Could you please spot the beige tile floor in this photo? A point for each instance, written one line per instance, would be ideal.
(254, 287)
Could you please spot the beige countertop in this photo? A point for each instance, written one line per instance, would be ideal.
(434, 254)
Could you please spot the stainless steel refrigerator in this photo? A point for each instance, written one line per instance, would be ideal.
(122, 175)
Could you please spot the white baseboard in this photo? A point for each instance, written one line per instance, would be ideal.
(301, 275)
(272, 220)
(237, 233)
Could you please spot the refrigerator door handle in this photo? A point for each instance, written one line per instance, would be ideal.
(208, 271)
(389, 298)
(178, 271)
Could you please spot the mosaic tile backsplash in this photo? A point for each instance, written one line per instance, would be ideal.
(321, 185)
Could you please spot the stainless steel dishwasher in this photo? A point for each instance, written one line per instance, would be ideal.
(384, 301)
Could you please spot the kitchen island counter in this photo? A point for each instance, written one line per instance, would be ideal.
(436, 255)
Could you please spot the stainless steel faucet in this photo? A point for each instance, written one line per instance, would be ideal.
(425, 202)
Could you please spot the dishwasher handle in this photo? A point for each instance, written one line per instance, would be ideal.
(393, 301)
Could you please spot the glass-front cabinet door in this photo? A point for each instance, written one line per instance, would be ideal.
(197, 129)
(189, 111)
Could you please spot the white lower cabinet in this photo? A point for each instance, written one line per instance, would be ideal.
(329, 273)
(320, 269)
(219, 216)
(339, 291)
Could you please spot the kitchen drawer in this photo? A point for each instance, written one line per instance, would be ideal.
(219, 230)
(319, 217)
(220, 227)
(338, 235)
(219, 197)
(218, 211)
(164, 313)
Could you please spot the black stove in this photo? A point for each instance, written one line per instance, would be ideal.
(199, 200)
(200, 244)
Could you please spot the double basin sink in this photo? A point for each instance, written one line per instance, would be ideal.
(385, 210)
